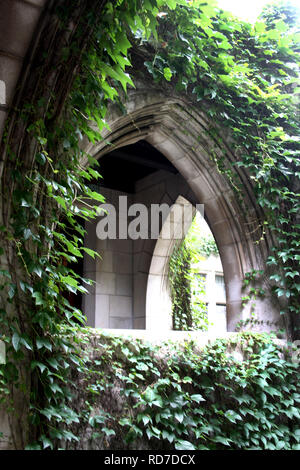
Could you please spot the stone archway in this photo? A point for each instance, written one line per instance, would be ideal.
(181, 134)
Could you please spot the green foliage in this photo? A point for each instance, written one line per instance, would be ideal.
(201, 244)
(276, 13)
(207, 246)
(186, 399)
(46, 200)
(244, 77)
(188, 308)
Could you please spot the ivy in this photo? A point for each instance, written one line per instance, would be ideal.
(189, 311)
(241, 394)
(202, 244)
(245, 78)
(46, 200)
(187, 288)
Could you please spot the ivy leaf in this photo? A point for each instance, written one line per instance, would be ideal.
(46, 442)
(90, 252)
(198, 398)
(43, 343)
(55, 388)
(16, 341)
(26, 342)
(69, 280)
(280, 445)
(38, 298)
(12, 291)
(61, 201)
(167, 73)
(179, 416)
(108, 432)
(118, 74)
(184, 445)
(168, 435)
(171, 4)
(260, 27)
(27, 233)
(38, 364)
(146, 420)
(222, 440)
(232, 416)
(34, 446)
(123, 43)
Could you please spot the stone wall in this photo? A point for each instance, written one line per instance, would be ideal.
(113, 403)
(18, 22)
(109, 304)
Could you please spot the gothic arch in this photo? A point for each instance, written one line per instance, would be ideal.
(174, 127)
(181, 133)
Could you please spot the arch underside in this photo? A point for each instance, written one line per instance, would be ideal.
(182, 134)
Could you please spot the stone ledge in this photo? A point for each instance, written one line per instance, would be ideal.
(156, 336)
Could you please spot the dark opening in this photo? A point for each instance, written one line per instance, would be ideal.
(122, 168)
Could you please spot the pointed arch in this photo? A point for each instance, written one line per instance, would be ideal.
(183, 135)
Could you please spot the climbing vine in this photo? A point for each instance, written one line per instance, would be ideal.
(207, 246)
(78, 66)
(202, 244)
(188, 308)
(187, 287)
(244, 76)
(237, 394)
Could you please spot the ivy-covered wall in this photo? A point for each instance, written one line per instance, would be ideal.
(236, 393)
(237, 87)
